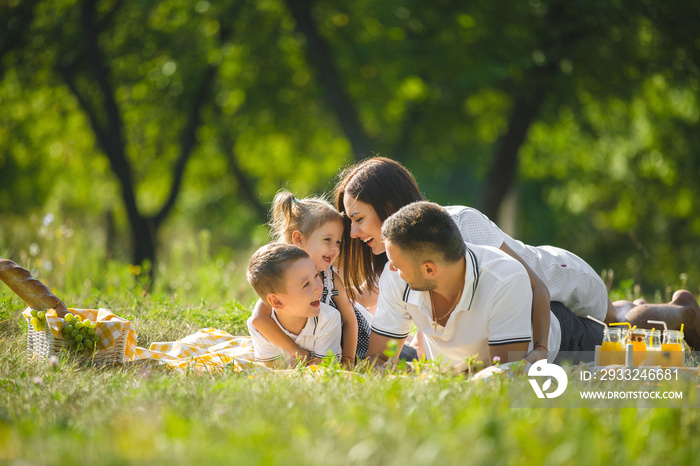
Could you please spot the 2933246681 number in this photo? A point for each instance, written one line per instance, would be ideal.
(641, 374)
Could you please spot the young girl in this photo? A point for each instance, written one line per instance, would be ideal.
(316, 227)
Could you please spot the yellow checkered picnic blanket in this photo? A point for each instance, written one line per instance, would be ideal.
(109, 326)
(208, 350)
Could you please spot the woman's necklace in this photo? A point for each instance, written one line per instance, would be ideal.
(432, 305)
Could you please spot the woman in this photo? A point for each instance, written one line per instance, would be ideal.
(372, 190)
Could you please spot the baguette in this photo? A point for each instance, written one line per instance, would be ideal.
(34, 293)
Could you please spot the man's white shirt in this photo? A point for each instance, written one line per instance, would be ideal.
(320, 335)
(495, 309)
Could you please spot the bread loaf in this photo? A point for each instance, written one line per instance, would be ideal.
(29, 289)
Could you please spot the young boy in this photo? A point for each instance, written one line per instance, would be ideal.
(285, 277)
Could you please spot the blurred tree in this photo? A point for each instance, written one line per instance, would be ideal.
(453, 90)
(89, 72)
(204, 110)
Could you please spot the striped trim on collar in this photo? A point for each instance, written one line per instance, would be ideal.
(475, 269)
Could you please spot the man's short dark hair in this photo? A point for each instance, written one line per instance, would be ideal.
(425, 229)
(268, 265)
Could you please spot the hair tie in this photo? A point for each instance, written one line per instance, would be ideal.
(295, 200)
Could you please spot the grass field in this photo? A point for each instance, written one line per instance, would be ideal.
(146, 414)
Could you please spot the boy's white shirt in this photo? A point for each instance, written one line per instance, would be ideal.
(320, 335)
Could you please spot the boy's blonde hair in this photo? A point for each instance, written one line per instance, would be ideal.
(268, 265)
(290, 214)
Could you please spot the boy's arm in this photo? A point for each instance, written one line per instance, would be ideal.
(349, 321)
(265, 352)
(263, 323)
(540, 310)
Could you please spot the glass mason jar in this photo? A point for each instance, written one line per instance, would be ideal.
(653, 340)
(672, 348)
(611, 349)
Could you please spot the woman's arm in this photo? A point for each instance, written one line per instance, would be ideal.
(540, 310)
(347, 316)
(263, 322)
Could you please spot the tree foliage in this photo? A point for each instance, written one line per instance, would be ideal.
(180, 116)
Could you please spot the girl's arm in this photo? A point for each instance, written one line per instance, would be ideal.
(263, 322)
(540, 311)
(347, 316)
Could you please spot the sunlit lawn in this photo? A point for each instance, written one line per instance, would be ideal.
(147, 414)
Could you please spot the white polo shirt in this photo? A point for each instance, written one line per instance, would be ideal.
(320, 335)
(570, 280)
(495, 309)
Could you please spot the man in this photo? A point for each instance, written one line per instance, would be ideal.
(468, 299)
(465, 299)
(476, 300)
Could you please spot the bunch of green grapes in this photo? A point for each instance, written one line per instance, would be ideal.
(79, 333)
(38, 320)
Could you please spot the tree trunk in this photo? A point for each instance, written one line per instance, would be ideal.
(320, 57)
(505, 161)
(106, 121)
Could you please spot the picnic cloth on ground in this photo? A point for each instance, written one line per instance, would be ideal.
(208, 349)
(109, 327)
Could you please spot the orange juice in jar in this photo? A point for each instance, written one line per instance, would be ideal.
(638, 338)
(611, 350)
(672, 348)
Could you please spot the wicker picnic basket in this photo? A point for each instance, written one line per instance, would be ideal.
(43, 344)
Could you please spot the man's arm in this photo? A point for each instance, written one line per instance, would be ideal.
(508, 353)
(540, 310)
(509, 327)
(378, 345)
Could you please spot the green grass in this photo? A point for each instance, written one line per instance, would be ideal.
(147, 414)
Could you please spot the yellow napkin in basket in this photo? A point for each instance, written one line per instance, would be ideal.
(109, 327)
(208, 350)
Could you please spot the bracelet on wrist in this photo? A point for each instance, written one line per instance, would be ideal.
(541, 346)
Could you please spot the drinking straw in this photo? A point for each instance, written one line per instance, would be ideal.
(659, 322)
(600, 322)
(623, 323)
(682, 327)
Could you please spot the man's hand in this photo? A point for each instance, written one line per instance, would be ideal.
(536, 354)
(300, 357)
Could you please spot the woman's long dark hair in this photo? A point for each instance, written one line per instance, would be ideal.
(387, 186)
